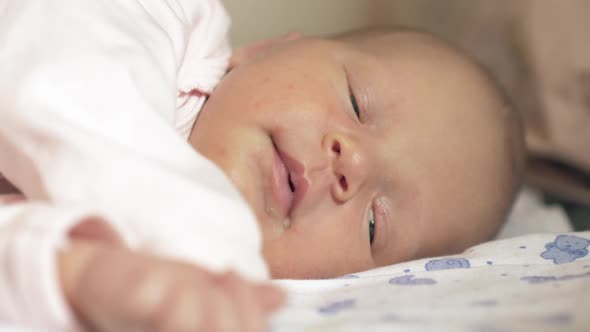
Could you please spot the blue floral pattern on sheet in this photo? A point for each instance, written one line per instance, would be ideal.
(566, 249)
(544, 279)
(336, 307)
(447, 264)
(409, 280)
(481, 290)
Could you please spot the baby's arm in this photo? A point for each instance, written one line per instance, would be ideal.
(114, 289)
(108, 287)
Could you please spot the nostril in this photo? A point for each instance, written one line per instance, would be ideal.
(336, 148)
(343, 183)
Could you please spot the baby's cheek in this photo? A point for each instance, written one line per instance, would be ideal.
(341, 250)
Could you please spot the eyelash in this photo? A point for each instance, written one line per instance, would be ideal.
(355, 105)
(371, 227)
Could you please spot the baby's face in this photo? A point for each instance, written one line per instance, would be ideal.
(354, 157)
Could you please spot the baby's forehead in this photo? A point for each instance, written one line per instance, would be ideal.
(420, 49)
(410, 53)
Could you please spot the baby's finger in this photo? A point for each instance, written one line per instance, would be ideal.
(201, 305)
(185, 310)
(270, 298)
(243, 295)
(223, 314)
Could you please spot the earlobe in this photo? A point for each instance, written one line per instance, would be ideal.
(251, 51)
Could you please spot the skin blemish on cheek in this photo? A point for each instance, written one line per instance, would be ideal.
(256, 104)
(266, 79)
(336, 111)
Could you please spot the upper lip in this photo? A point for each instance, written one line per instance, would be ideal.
(296, 178)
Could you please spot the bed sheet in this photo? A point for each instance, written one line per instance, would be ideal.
(537, 282)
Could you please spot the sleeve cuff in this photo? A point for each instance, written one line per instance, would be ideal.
(31, 258)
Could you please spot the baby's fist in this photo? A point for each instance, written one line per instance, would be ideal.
(114, 289)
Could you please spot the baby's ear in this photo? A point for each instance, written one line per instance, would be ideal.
(246, 53)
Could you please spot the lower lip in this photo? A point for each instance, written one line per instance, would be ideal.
(281, 191)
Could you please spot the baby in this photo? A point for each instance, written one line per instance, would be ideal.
(364, 150)
(356, 151)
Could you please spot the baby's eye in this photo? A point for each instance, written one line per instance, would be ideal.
(355, 106)
(371, 226)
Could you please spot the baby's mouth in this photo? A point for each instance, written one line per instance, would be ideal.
(291, 185)
(288, 183)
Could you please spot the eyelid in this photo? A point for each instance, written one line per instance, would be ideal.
(352, 97)
(365, 223)
(359, 96)
(377, 229)
(382, 219)
(371, 217)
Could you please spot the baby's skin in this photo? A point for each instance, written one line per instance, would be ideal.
(364, 150)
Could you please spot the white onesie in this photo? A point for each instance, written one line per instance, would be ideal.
(93, 96)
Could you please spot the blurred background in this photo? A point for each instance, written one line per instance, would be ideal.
(538, 50)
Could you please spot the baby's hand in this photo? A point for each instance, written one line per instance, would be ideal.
(115, 289)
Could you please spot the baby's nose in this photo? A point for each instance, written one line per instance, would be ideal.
(349, 165)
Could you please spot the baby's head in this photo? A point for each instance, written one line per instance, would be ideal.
(363, 150)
